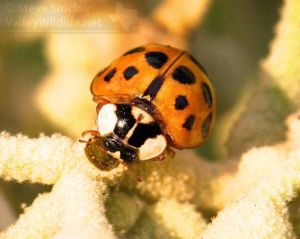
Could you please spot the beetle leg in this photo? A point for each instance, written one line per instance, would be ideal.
(92, 132)
(170, 152)
(132, 169)
(167, 153)
(84, 134)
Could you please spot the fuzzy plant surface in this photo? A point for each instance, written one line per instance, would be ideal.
(173, 200)
(251, 194)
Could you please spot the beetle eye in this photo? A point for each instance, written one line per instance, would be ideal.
(153, 147)
(107, 119)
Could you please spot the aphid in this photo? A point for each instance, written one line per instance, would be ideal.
(150, 99)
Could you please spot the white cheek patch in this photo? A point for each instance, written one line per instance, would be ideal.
(107, 119)
(153, 147)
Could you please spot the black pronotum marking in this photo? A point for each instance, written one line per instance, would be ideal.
(198, 64)
(112, 144)
(188, 124)
(143, 132)
(156, 59)
(154, 87)
(110, 75)
(130, 72)
(207, 94)
(181, 102)
(184, 75)
(206, 125)
(144, 104)
(134, 50)
(125, 120)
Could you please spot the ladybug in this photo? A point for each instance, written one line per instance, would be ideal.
(150, 99)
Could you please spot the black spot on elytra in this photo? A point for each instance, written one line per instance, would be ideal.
(110, 75)
(134, 50)
(125, 120)
(206, 125)
(198, 64)
(156, 59)
(154, 87)
(188, 124)
(207, 94)
(130, 72)
(143, 132)
(112, 144)
(100, 72)
(183, 75)
(181, 102)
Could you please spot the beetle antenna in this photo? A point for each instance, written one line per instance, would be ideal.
(82, 141)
